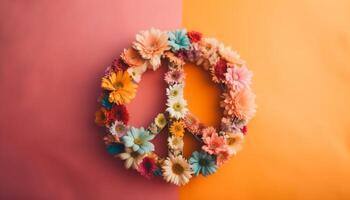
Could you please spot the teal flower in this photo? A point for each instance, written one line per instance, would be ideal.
(202, 162)
(138, 139)
(115, 148)
(105, 102)
(178, 40)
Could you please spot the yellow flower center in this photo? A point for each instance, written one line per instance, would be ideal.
(177, 107)
(161, 121)
(231, 141)
(138, 141)
(177, 169)
(178, 128)
(174, 93)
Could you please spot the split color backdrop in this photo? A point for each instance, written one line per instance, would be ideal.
(53, 53)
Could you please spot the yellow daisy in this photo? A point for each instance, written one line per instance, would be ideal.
(177, 129)
(121, 86)
(160, 120)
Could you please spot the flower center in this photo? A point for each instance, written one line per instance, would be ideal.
(138, 141)
(118, 85)
(175, 76)
(177, 169)
(134, 154)
(174, 93)
(161, 121)
(175, 142)
(177, 107)
(119, 128)
(231, 141)
(103, 116)
(178, 128)
(235, 77)
(203, 162)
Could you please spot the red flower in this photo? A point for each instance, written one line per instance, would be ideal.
(220, 69)
(244, 130)
(120, 113)
(118, 64)
(147, 167)
(194, 36)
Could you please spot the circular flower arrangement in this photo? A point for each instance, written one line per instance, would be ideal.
(155, 48)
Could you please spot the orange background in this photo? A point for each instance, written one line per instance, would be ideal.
(298, 145)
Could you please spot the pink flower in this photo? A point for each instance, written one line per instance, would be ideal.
(151, 44)
(214, 144)
(222, 157)
(238, 77)
(208, 132)
(175, 76)
(192, 123)
(147, 167)
(239, 104)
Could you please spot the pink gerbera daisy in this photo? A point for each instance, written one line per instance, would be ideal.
(238, 77)
(208, 132)
(214, 144)
(192, 123)
(222, 157)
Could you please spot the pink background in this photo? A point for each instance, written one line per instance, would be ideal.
(52, 56)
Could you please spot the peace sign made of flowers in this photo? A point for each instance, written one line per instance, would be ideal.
(152, 48)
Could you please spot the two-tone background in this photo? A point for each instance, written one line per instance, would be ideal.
(52, 54)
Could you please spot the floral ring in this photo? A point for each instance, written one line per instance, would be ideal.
(175, 48)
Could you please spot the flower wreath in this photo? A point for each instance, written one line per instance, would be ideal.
(119, 84)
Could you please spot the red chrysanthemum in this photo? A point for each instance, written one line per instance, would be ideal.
(194, 36)
(147, 167)
(220, 69)
(120, 113)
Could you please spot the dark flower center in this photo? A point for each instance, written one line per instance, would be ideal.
(203, 162)
(118, 85)
(177, 168)
(134, 154)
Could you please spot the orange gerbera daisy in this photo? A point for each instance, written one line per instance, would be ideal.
(121, 86)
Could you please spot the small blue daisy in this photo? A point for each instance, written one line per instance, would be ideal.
(178, 40)
(138, 139)
(202, 162)
(105, 102)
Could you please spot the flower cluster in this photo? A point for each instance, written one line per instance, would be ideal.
(155, 48)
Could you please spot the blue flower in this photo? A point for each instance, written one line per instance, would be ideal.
(105, 102)
(138, 139)
(178, 40)
(202, 162)
(116, 148)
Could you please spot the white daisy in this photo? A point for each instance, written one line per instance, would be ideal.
(175, 91)
(175, 143)
(177, 108)
(234, 142)
(176, 170)
(118, 129)
(132, 158)
(136, 72)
